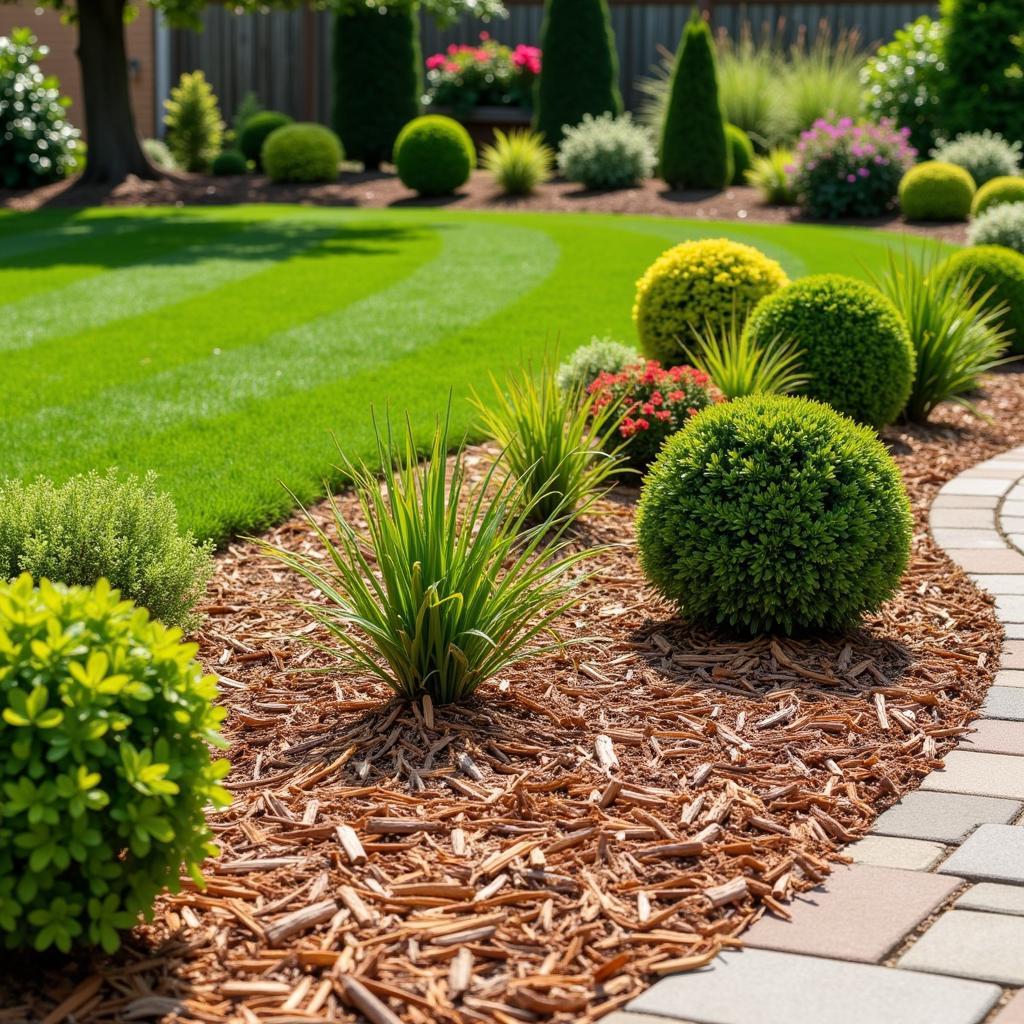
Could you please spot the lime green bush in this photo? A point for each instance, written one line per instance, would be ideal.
(1004, 189)
(302, 153)
(772, 176)
(698, 282)
(936, 191)
(741, 153)
(105, 767)
(1000, 271)
(519, 161)
(774, 514)
(229, 162)
(255, 132)
(856, 349)
(434, 155)
(194, 125)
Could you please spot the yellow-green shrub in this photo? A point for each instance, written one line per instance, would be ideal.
(1004, 189)
(935, 190)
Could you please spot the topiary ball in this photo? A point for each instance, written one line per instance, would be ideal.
(774, 514)
(999, 190)
(302, 152)
(1001, 271)
(229, 162)
(698, 282)
(104, 764)
(256, 130)
(855, 346)
(936, 191)
(742, 150)
(434, 155)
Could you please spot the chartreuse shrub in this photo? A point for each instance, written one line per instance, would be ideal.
(600, 355)
(772, 175)
(936, 191)
(1000, 225)
(93, 527)
(302, 153)
(999, 276)
(449, 583)
(194, 125)
(1004, 189)
(606, 152)
(774, 514)
(984, 155)
(697, 282)
(854, 344)
(434, 155)
(256, 130)
(741, 153)
(229, 162)
(105, 770)
(519, 161)
(694, 149)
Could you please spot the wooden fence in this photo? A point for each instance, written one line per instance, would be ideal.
(285, 56)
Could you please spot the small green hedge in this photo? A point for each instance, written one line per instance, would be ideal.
(999, 190)
(741, 150)
(935, 190)
(434, 155)
(774, 514)
(302, 153)
(256, 131)
(855, 345)
(229, 162)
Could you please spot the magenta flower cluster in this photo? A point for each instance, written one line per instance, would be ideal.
(850, 168)
(487, 74)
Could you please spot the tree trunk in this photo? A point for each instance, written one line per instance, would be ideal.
(114, 150)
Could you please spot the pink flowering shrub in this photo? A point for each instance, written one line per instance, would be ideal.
(490, 74)
(654, 402)
(848, 169)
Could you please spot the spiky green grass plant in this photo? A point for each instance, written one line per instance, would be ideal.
(769, 174)
(519, 161)
(449, 583)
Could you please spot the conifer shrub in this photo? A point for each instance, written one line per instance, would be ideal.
(302, 153)
(998, 273)
(741, 153)
(855, 346)
(1004, 189)
(194, 125)
(774, 514)
(434, 155)
(105, 730)
(936, 191)
(255, 132)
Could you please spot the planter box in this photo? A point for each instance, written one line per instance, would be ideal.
(480, 122)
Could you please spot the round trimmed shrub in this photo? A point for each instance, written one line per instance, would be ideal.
(935, 190)
(855, 346)
(229, 162)
(1004, 189)
(104, 764)
(255, 132)
(991, 267)
(742, 152)
(1000, 225)
(303, 152)
(698, 282)
(774, 514)
(434, 155)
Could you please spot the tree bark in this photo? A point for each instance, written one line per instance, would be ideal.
(114, 150)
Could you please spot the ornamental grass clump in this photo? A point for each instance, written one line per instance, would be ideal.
(519, 161)
(105, 769)
(600, 355)
(448, 584)
(774, 514)
(771, 175)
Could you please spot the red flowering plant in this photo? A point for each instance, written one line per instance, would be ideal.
(490, 74)
(654, 402)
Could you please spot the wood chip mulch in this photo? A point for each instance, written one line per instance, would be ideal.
(592, 821)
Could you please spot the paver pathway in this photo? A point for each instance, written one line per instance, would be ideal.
(927, 926)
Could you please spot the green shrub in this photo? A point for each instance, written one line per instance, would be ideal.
(998, 273)
(902, 81)
(229, 162)
(104, 764)
(377, 77)
(855, 346)
(936, 191)
(1000, 225)
(697, 282)
(774, 514)
(519, 161)
(95, 527)
(158, 154)
(741, 153)
(997, 191)
(694, 150)
(580, 71)
(302, 153)
(607, 152)
(194, 125)
(601, 355)
(466, 587)
(37, 144)
(983, 155)
(249, 106)
(772, 176)
(434, 155)
(255, 133)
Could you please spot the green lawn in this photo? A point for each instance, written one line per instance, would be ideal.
(222, 346)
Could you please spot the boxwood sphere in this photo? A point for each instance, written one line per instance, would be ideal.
(256, 130)
(230, 161)
(774, 514)
(1004, 189)
(434, 155)
(936, 191)
(856, 347)
(696, 282)
(302, 153)
(742, 150)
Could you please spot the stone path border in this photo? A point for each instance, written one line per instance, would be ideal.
(927, 925)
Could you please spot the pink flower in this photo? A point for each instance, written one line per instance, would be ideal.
(438, 60)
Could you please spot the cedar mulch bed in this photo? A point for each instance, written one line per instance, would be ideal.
(382, 189)
(590, 822)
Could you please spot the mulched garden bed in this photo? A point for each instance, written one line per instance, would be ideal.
(591, 821)
(385, 190)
